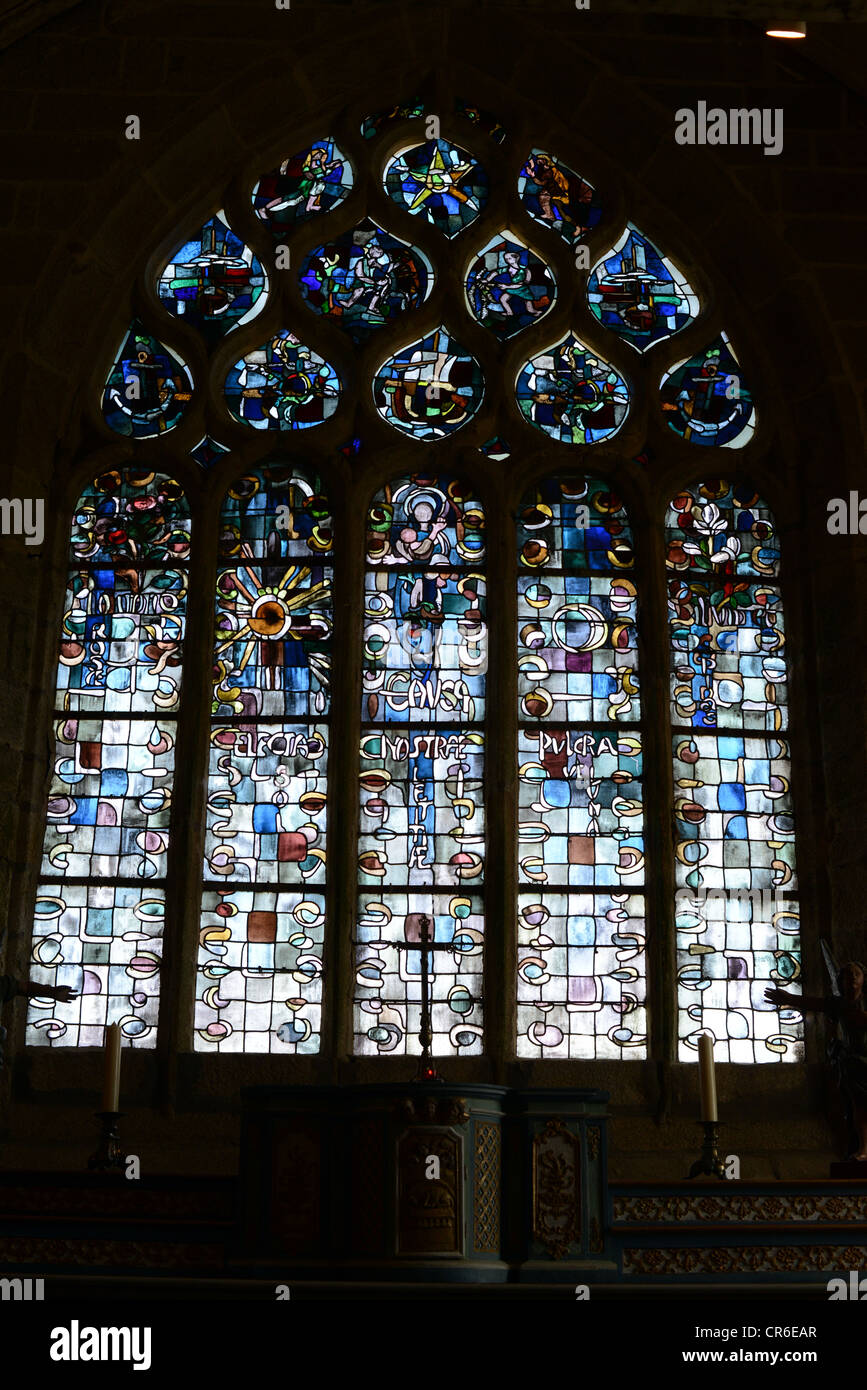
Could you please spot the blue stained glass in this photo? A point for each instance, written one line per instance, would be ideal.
(148, 388)
(737, 914)
(706, 400)
(282, 385)
(581, 986)
(308, 183)
(638, 293)
(429, 388)
(365, 278)
(109, 807)
(508, 286)
(422, 813)
(426, 519)
(570, 393)
(557, 197)
(207, 452)
(214, 282)
(440, 182)
(260, 948)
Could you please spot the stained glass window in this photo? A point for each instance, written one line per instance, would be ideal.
(263, 907)
(430, 388)
(422, 829)
(706, 400)
(365, 278)
(310, 182)
(581, 932)
(737, 915)
(440, 182)
(213, 281)
(480, 434)
(508, 286)
(100, 906)
(572, 394)
(148, 389)
(638, 293)
(283, 385)
(557, 197)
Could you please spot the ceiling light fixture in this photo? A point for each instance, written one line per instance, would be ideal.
(796, 30)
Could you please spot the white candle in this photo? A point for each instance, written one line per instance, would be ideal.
(111, 1076)
(708, 1077)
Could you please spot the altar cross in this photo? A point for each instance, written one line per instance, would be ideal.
(426, 1069)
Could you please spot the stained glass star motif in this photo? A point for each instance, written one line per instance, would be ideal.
(440, 182)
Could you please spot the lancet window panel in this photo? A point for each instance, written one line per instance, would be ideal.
(422, 815)
(259, 979)
(100, 904)
(737, 916)
(581, 919)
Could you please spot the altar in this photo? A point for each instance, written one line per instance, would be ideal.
(418, 1181)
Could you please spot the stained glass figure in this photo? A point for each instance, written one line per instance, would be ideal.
(100, 903)
(308, 183)
(572, 394)
(208, 451)
(213, 281)
(148, 388)
(365, 278)
(638, 293)
(422, 830)
(429, 388)
(508, 286)
(736, 905)
(390, 115)
(282, 385)
(440, 182)
(260, 960)
(557, 197)
(706, 400)
(581, 985)
(483, 119)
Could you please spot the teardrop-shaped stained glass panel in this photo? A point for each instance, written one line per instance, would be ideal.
(213, 281)
(706, 400)
(508, 286)
(440, 182)
(570, 393)
(365, 278)
(429, 388)
(306, 184)
(283, 385)
(638, 293)
(557, 197)
(148, 389)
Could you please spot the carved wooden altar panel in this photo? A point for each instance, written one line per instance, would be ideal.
(556, 1188)
(430, 1208)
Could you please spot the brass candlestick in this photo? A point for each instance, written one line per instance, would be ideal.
(109, 1156)
(710, 1164)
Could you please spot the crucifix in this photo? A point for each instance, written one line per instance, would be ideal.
(422, 942)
